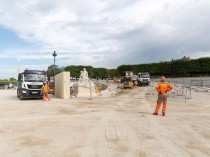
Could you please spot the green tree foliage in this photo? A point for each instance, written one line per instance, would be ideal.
(12, 79)
(50, 70)
(204, 65)
(92, 72)
(176, 68)
(4, 80)
(179, 67)
(75, 70)
(121, 69)
(112, 72)
(185, 58)
(100, 72)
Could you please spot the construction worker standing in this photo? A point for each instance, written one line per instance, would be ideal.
(45, 90)
(162, 88)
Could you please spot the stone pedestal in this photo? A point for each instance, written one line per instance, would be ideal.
(85, 91)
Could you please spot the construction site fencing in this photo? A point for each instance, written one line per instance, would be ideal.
(201, 85)
(183, 87)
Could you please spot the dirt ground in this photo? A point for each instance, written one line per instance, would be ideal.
(121, 125)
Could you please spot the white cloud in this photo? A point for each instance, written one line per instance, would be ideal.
(107, 32)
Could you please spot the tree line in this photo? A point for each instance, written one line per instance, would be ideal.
(75, 71)
(184, 67)
(7, 81)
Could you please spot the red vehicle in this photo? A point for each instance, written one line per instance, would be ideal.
(51, 87)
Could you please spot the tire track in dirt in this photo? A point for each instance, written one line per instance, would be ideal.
(163, 134)
(134, 146)
(98, 144)
(96, 138)
(195, 142)
(98, 141)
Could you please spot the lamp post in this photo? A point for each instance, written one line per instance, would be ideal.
(90, 90)
(54, 55)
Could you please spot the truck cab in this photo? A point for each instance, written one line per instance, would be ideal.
(30, 83)
(143, 79)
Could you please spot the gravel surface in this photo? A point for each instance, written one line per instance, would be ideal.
(116, 124)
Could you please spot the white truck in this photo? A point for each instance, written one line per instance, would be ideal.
(143, 79)
(30, 83)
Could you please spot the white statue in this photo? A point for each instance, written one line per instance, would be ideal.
(84, 74)
(84, 80)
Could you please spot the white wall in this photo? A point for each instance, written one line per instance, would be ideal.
(62, 85)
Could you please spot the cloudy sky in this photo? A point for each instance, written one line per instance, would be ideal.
(100, 33)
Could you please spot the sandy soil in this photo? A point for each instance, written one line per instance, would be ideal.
(121, 125)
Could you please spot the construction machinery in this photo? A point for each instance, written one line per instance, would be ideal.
(127, 82)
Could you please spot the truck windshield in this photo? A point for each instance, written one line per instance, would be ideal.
(144, 75)
(34, 78)
(134, 77)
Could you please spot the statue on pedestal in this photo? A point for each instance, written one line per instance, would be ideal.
(84, 80)
(84, 74)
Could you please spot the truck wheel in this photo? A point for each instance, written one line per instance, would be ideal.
(18, 93)
(20, 97)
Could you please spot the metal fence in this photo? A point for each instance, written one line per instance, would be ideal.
(183, 87)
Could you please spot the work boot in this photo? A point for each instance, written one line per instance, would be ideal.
(156, 109)
(164, 110)
(163, 113)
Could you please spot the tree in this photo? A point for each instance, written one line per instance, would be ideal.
(12, 79)
(113, 72)
(185, 58)
(4, 80)
(50, 70)
(101, 72)
(176, 68)
(75, 70)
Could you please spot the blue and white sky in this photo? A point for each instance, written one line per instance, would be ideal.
(100, 33)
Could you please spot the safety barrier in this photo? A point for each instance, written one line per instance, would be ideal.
(201, 85)
(182, 88)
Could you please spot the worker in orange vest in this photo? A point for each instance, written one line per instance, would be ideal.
(45, 90)
(135, 83)
(162, 89)
(115, 79)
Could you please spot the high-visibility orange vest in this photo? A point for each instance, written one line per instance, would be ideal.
(45, 88)
(163, 87)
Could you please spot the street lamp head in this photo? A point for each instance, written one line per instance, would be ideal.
(54, 54)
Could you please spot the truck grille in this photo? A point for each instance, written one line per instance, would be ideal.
(34, 92)
(34, 86)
